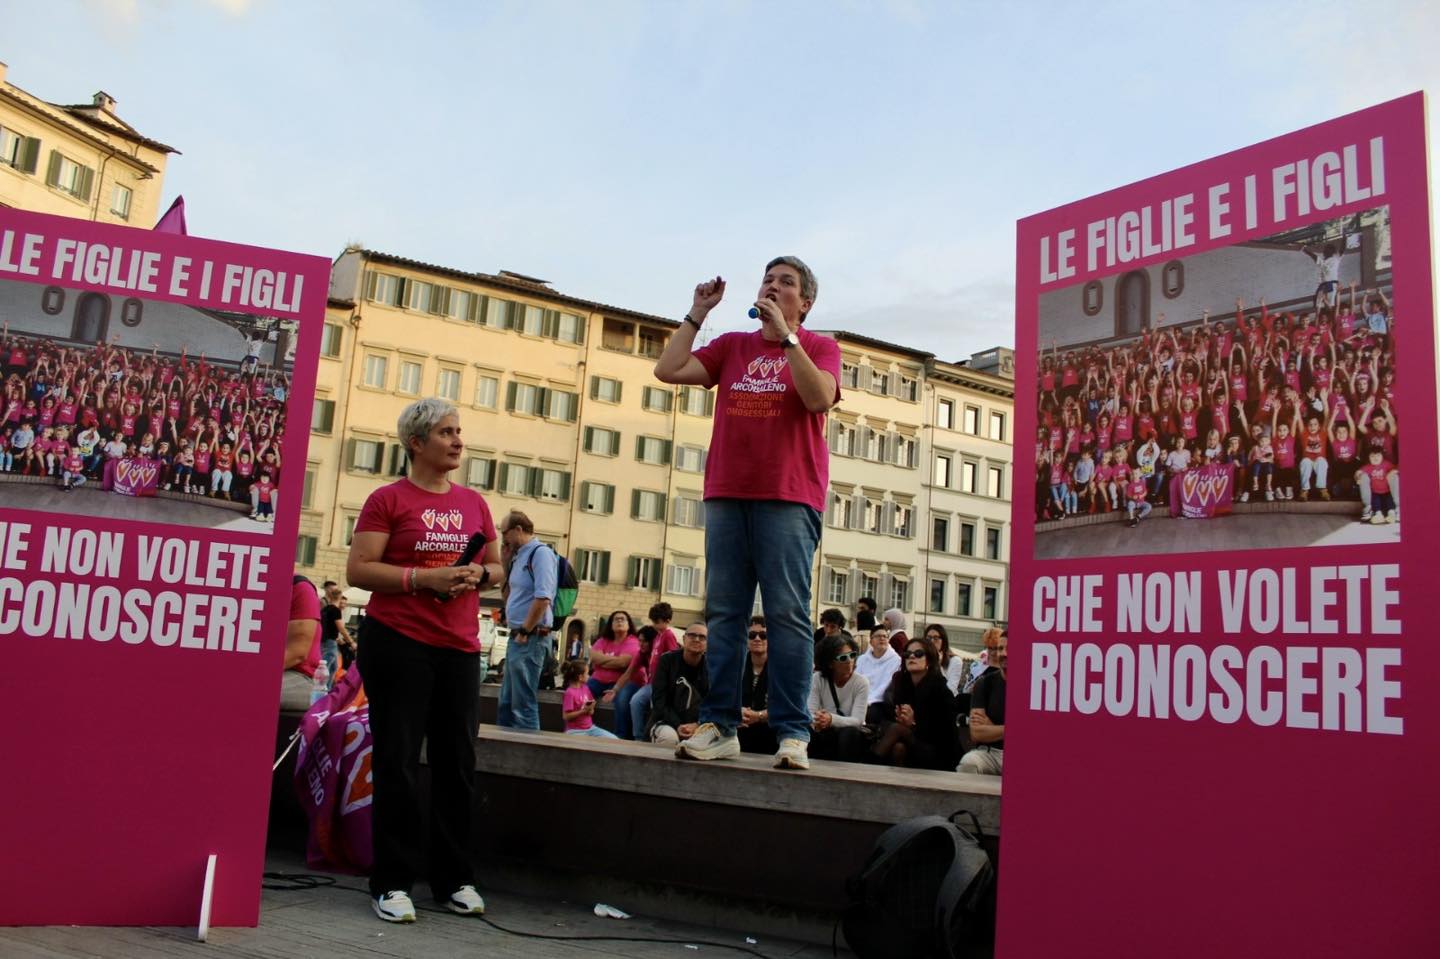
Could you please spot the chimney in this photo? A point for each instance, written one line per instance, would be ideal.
(3, 70)
(105, 101)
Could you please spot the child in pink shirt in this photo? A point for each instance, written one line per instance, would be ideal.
(578, 708)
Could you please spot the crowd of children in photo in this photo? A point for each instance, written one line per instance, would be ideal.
(1300, 405)
(77, 413)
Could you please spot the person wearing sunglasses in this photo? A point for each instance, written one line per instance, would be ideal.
(838, 696)
(920, 730)
(755, 733)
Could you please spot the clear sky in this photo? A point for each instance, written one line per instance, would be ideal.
(624, 151)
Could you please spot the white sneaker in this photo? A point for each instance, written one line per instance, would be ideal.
(709, 743)
(793, 754)
(1269, 496)
(1289, 492)
(1365, 515)
(466, 901)
(394, 906)
(1245, 496)
(1377, 518)
(1393, 516)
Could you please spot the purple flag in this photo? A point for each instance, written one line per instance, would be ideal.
(174, 219)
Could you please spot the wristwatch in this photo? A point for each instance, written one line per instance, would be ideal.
(790, 340)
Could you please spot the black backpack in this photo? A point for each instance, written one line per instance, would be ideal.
(926, 892)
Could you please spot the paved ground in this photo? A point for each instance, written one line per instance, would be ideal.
(1239, 532)
(336, 923)
(89, 500)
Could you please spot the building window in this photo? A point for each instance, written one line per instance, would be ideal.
(554, 485)
(880, 383)
(447, 385)
(901, 520)
(849, 375)
(1172, 279)
(688, 511)
(409, 379)
(525, 398)
(652, 449)
(130, 311)
(592, 566)
(92, 318)
(305, 551)
(690, 459)
(945, 415)
(644, 573)
(330, 337)
(1092, 297)
(657, 400)
(652, 342)
(940, 534)
(386, 289)
(937, 596)
(563, 406)
(601, 441)
(991, 604)
(696, 402)
(422, 296)
(487, 391)
(52, 301)
(606, 390)
(347, 530)
(366, 455)
(841, 511)
(684, 580)
(18, 151)
(967, 539)
(900, 593)
(497, 313)
(842, 442)
(463, 305)
(997, 426)
(992, 543)
(70, 177)
(873, 516)
(570, 328)
(618, 335)
(120, 199)
(515, 479)
(377, 371)
(903, 450)
(962, 598)
(836, 582)
(869, 585)
(597, 498)
(995, 482)
(967, 477)
(971, 422)
(480, 473)
(399, 460)
(307, 490)
(943, 467)
(322, 417)
(647, 504)
(909, 388)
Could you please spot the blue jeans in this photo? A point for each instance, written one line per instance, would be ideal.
(518, 708)
(595, 731)
(624, 728)
(640, 711)
(770, 544)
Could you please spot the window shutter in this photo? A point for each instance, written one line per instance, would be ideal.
(614, 442)
(887, 590)
(503, 478)
(660, 513)
(852, 587)
(537, 480)
(882, 446)
(609, 498)
(594, 387)
(565, 486)
(29, 155)
(589, 439)
(665, 454)
(639, 447)
(892, 384)
(510, 389)
(52, 174)
(604, 576)
(704, 458)
(572, 407)
(857, 512)
(709, 403)
(634, 504)
(350, 454)
(834, 436)
(632, 571)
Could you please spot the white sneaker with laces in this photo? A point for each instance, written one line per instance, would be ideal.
(793, 754)
(394, 906)
(709, 743)
(466, 901)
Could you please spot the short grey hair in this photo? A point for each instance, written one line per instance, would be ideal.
(809, 286)
(420, 417)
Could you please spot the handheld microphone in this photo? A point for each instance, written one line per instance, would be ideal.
(467, 556)
(754, 313)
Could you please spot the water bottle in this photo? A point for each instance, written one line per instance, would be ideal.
(320, 685)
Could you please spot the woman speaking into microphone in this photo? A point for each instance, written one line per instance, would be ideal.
(424, 547)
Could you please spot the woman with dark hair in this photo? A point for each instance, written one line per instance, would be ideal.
(951, 666)
(420, 658)
(635, 678)
(838, 696)
(922, 732)
(611, 653)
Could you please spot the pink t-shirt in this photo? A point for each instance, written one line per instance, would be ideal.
(610, 646)
(1379, 474)
(760, 419)
(305, 604)
(427, 530)
(665, 642)
(575, 698)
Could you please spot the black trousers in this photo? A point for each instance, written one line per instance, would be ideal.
(420, 692)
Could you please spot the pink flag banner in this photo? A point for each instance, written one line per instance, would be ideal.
(1203, 491)
(332, 778)
(1263, 687)
(137, 477)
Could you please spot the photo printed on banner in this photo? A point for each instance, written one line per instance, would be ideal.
(1243, 397)
(141, 409)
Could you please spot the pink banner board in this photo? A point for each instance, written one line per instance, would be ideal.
(1223, 732)
(143, 634)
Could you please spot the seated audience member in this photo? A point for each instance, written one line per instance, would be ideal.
(680, 685)
(987, 718)
(990, 639)
(952, 666)
(865, 614)
(755, 733)
(838, 696)
(612, 651)
(894, 621)
(635, 678)
(661, 615)
(920, 731)
(832, 623)
(578, 707)
(302, 646)
(878, 664)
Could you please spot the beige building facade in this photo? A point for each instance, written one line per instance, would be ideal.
(564, 420)
(77, 160)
